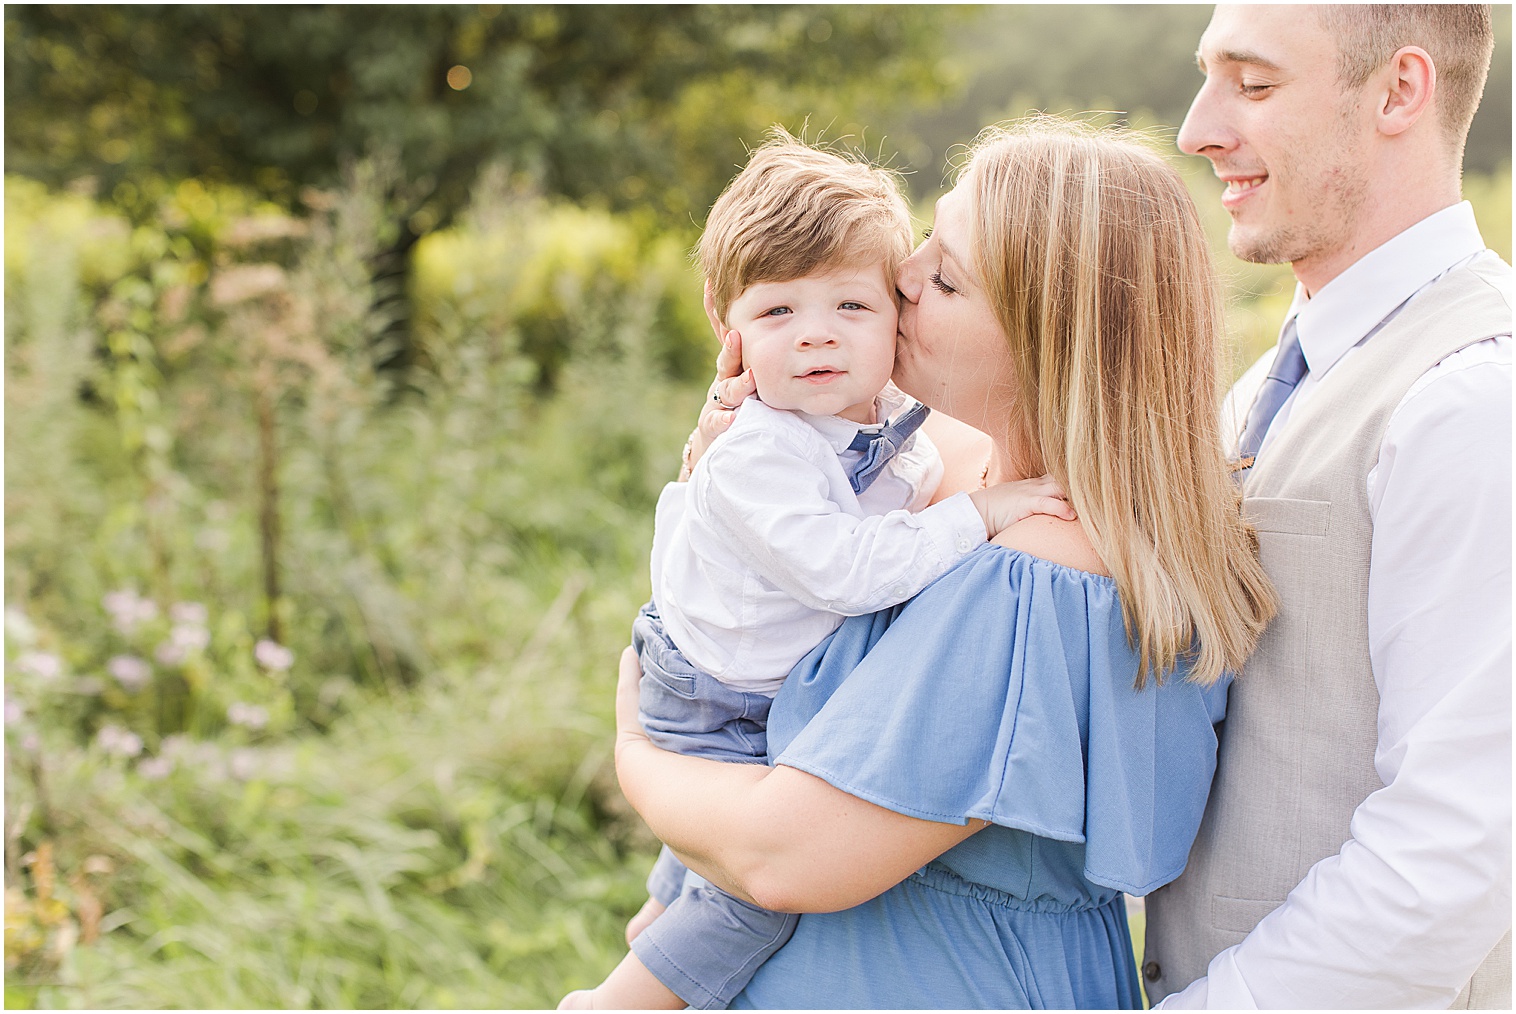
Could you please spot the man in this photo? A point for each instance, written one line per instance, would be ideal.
(1356, 851)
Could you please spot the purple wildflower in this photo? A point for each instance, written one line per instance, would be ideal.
(130, 671)
(273, 656)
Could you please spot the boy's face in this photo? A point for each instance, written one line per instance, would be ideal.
(823, 343)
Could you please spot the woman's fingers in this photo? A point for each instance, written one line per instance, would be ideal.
(734, 390)
(729, 359)
(627, 682)
(710, 313)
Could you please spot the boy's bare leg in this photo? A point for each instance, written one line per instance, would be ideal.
(630, 986)
(650, 910)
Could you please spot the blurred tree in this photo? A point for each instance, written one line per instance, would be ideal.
(630, 106)
(1136, 60)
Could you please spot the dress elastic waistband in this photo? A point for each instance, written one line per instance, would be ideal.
(938, 877)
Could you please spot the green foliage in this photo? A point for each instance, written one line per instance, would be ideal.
(458, 565)
(632, 104)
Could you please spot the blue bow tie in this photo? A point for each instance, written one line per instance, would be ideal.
(880, 446)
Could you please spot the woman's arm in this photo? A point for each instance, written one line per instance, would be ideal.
(778, 837)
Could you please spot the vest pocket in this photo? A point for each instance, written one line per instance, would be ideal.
(1284, 516)
(1238, 915)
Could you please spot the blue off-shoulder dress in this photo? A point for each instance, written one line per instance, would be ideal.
(1004, 692)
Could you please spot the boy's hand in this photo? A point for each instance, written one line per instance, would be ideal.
(1003, 505)
(730, 388)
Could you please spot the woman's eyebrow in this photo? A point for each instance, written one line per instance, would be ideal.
(948, 254)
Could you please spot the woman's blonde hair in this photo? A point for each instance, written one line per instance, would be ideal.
(1092, 254)
(796, 209)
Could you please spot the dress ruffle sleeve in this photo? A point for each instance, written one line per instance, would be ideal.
(1004, 692)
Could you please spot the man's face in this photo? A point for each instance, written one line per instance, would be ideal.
(1291, 144)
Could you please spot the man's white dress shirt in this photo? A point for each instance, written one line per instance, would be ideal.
(1416, 899)
(762, 553)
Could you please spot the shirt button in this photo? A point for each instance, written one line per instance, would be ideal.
(1151, 971)
(964, 545)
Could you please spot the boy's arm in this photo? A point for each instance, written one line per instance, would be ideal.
(766, 500)
(764, 494)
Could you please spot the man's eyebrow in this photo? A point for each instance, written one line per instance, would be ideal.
(1238, 56)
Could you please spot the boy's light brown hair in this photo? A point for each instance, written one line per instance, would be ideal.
(795, 210)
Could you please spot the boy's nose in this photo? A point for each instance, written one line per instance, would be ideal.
(816, 336)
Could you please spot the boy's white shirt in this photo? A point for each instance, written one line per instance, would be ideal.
(763, 552)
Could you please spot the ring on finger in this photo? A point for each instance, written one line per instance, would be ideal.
(716, 397)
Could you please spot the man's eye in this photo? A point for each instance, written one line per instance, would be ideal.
(1254, 91)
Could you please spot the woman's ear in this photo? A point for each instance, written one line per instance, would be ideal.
(1409, 85)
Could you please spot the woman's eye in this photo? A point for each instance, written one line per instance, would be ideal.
(940, 284)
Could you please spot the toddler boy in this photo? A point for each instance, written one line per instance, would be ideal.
(812, 506)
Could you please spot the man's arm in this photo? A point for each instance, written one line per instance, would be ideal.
(1421, 892)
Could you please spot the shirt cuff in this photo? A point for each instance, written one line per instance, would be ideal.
(1222, 988)
(955, 526)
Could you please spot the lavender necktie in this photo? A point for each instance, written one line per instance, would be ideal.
(1288, 370)
(879, 447)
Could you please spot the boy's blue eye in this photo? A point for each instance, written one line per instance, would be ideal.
(852, 305)
(776, 311)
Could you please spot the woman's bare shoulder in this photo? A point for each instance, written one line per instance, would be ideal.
(1053, 539)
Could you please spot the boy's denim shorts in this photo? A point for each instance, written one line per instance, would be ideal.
(708, 944)
(691, 712)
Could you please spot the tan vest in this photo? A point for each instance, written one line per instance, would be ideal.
(1297, 747)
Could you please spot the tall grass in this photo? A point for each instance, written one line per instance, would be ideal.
(382, 779)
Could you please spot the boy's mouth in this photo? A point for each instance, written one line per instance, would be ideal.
(821, 375)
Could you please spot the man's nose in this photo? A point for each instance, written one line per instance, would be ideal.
(1205, 130)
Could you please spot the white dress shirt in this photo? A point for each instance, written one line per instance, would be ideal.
(762, 553)
(1421, 892)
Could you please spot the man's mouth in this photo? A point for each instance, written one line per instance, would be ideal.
(1240, 188)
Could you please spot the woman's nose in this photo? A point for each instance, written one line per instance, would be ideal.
(908, 280)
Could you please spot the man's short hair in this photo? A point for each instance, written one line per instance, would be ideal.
(795, 210)
(1458, 37)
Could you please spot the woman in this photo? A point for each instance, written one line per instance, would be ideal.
(964, 786)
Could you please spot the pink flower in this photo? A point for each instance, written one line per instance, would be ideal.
(130, 671)
(128, 610)
(249, 716)
(155, 769)
(273, 655)
(14, 712)
(189, 637)
(115, 740)
(41, 664)
(169, 653)
(192, 613)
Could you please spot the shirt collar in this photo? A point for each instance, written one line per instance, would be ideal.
(839, 432)
(1351, 305)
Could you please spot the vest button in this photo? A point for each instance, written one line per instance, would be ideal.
(1151, 971)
